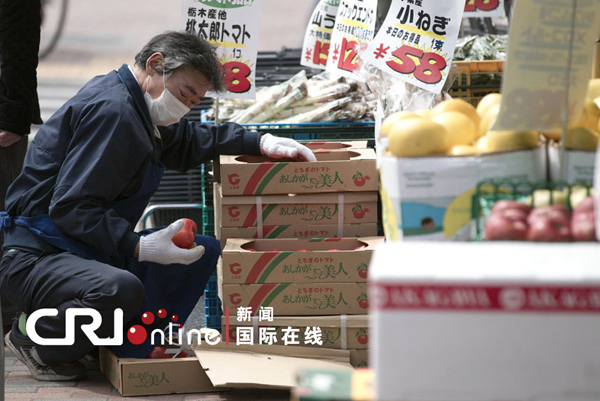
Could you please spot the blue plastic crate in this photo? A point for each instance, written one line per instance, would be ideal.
(213, 322)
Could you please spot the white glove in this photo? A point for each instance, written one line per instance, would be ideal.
(158, 247)
(279, 148)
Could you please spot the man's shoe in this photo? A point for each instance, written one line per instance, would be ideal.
(24, 350)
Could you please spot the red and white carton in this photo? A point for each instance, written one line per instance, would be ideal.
(485, 321)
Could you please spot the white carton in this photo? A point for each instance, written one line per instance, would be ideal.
(579, 164)
(485, 321)
(429, 198)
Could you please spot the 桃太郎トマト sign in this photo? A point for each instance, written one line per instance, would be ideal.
(416, 42)
(232, 26)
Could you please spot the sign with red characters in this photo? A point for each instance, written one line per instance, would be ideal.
(233, 27)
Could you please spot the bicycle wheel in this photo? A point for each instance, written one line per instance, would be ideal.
(54, 13)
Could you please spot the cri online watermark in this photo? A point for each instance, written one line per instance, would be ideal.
(136, 334)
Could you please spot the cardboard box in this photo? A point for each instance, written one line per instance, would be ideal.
(134, 377)
(289, 299)
(314, 209)
(332, 145)
(579, 164)
(359, 358)
(217, 368)
(297, 231)
(265, 366)
(338, 332)
(334, 171)
(485, 321)
(430, 198)
(293, 260)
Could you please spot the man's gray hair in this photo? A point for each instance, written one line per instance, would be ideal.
(181, 49)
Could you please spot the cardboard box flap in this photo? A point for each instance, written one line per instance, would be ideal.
(315, 145)
(302, 321)
(345, 197)
(265, 366)
(321, 155)
(297, 244)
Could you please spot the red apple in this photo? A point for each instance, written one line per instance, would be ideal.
(583, 226)
(501, 227)
(556, 213)
(550, 228)
(159, 352)
(506, 204)
(585, 206)
(185, 237)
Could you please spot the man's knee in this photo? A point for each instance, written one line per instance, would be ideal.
(128, 294)
(211, 245)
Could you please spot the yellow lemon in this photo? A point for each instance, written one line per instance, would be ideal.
(482, 144)
(589, 116)
(488, 119)
(581, 138)
(509, 140)
(392, 119)
(593, 89)
(459, 105)
(461, 150)
(425, 113)
(486, 102)
(460, 128)
(414, 137)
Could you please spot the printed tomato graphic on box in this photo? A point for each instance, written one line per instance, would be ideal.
(359, 179)
(362, 270)
(362, 336)
(359, 212)
(363, 301)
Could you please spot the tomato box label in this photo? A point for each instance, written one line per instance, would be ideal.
(297, 298)
(332, 260)
(314, 209)
(350, 170)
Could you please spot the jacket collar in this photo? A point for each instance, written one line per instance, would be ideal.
(135, 91)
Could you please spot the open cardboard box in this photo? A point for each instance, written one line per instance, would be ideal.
(304, 209)
(217, 368)
(338, 332)
(334, 171)
(293, 260)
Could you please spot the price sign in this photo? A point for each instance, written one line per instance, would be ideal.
(354, 29)
(549, 63)
(416, 42)
(317, 37)
(232, 26)
(484, 9)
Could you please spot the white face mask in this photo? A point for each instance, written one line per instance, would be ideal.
(165, 109)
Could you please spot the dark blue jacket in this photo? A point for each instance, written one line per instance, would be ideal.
(95, 150)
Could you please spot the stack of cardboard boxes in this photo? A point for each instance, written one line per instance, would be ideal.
(297, 239)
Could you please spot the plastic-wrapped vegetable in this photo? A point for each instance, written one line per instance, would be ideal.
(293, 97)
(319, 113)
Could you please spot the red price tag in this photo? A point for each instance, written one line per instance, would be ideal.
(236, 76)
(348, 56)
(427, 67)
(481, 5)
